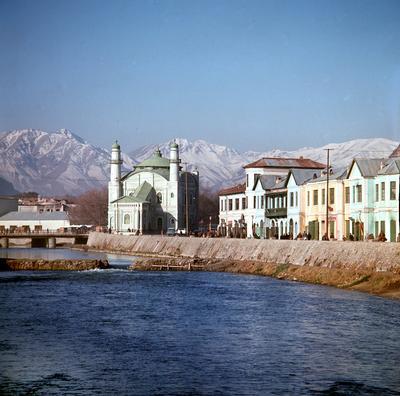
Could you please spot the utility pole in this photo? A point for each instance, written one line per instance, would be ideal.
(327, 194)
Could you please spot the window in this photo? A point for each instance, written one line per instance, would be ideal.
(127, 219)
(262, 202)
(315, 197)
(392, 190)
(254, 202)
(256, 176)
(383, 227)
(347, 195)
(332, 196)
(383, 192)
(354, 194)
(323, 197)
(291, 199)
(376, 229)
(308, 198)
(359, 192)
(221, 205)
(243, 203)
(331, 229)
(159, 197)
(247, 180)
(376, 192)
(230, 204)
(297, 199)
(237, 204)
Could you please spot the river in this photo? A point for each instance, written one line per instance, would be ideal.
(178, 333)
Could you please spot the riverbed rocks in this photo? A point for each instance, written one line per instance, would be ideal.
(25, 264)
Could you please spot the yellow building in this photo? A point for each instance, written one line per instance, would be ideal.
(315, 205)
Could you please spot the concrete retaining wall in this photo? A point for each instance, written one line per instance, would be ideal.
(373, 256)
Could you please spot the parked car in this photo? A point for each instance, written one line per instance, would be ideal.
(171, 231)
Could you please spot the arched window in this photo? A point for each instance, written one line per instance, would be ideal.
(172, 195)
(127, 219)
(159, 197)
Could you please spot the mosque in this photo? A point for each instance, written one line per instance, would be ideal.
(157, 196)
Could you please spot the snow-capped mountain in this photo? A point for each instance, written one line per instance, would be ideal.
(217, 165)
(220, 166)
(52, 163)
(61, 162)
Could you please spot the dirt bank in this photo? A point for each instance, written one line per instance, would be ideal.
(364, 266)
(8, 264)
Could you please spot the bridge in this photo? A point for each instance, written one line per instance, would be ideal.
(43, 238)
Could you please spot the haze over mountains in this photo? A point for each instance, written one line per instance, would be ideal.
(61, 162)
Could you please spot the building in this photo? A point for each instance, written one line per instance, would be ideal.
(41, 205)
(33, 221)
(265, 196)
(232, 206)
(316, 201)
(386, 197)
(155, 197)
(296, 204)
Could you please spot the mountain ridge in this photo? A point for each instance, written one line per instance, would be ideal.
(61, 162)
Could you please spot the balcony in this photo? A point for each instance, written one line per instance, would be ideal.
(275, 212)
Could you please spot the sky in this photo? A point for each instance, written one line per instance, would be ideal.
(252, 75)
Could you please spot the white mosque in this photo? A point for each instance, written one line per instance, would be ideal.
(155, 197)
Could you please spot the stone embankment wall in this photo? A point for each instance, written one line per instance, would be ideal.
(24, 264)
(333, 254)
(365, 266)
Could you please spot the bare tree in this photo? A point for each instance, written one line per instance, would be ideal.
(208, 206)
(91, 208)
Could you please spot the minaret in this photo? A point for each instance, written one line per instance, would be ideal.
(174, 162)
(114, 185)
(173, 185)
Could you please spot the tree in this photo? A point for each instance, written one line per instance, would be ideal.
(91, 208)
(208, 206)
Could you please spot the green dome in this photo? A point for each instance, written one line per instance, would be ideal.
(116, 145)
(155, 161)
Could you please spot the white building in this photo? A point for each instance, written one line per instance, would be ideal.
(33, 221)
(232, 207)
(155, 196)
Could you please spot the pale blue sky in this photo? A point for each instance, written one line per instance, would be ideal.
(249, 74)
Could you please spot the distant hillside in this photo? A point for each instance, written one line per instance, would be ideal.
(6, 188)
(61, 162)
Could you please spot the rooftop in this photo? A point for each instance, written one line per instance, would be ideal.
(286, 163)
(238, 189)
(34, 216)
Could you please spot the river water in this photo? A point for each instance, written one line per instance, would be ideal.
(114, 332)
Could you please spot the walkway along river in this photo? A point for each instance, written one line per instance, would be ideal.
(115, 331)
(364, 266)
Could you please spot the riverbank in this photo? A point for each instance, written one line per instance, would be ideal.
(28, 264)
(364, 266)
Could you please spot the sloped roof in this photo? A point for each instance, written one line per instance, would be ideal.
(143, 191)
(140, 195)
(269, 181)
(396, 152)
(337, 174)
(276, 162)
(238, 189)
(128, 199)
(369, 167)
(391, 167)
(35, 216)
(302, 175)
